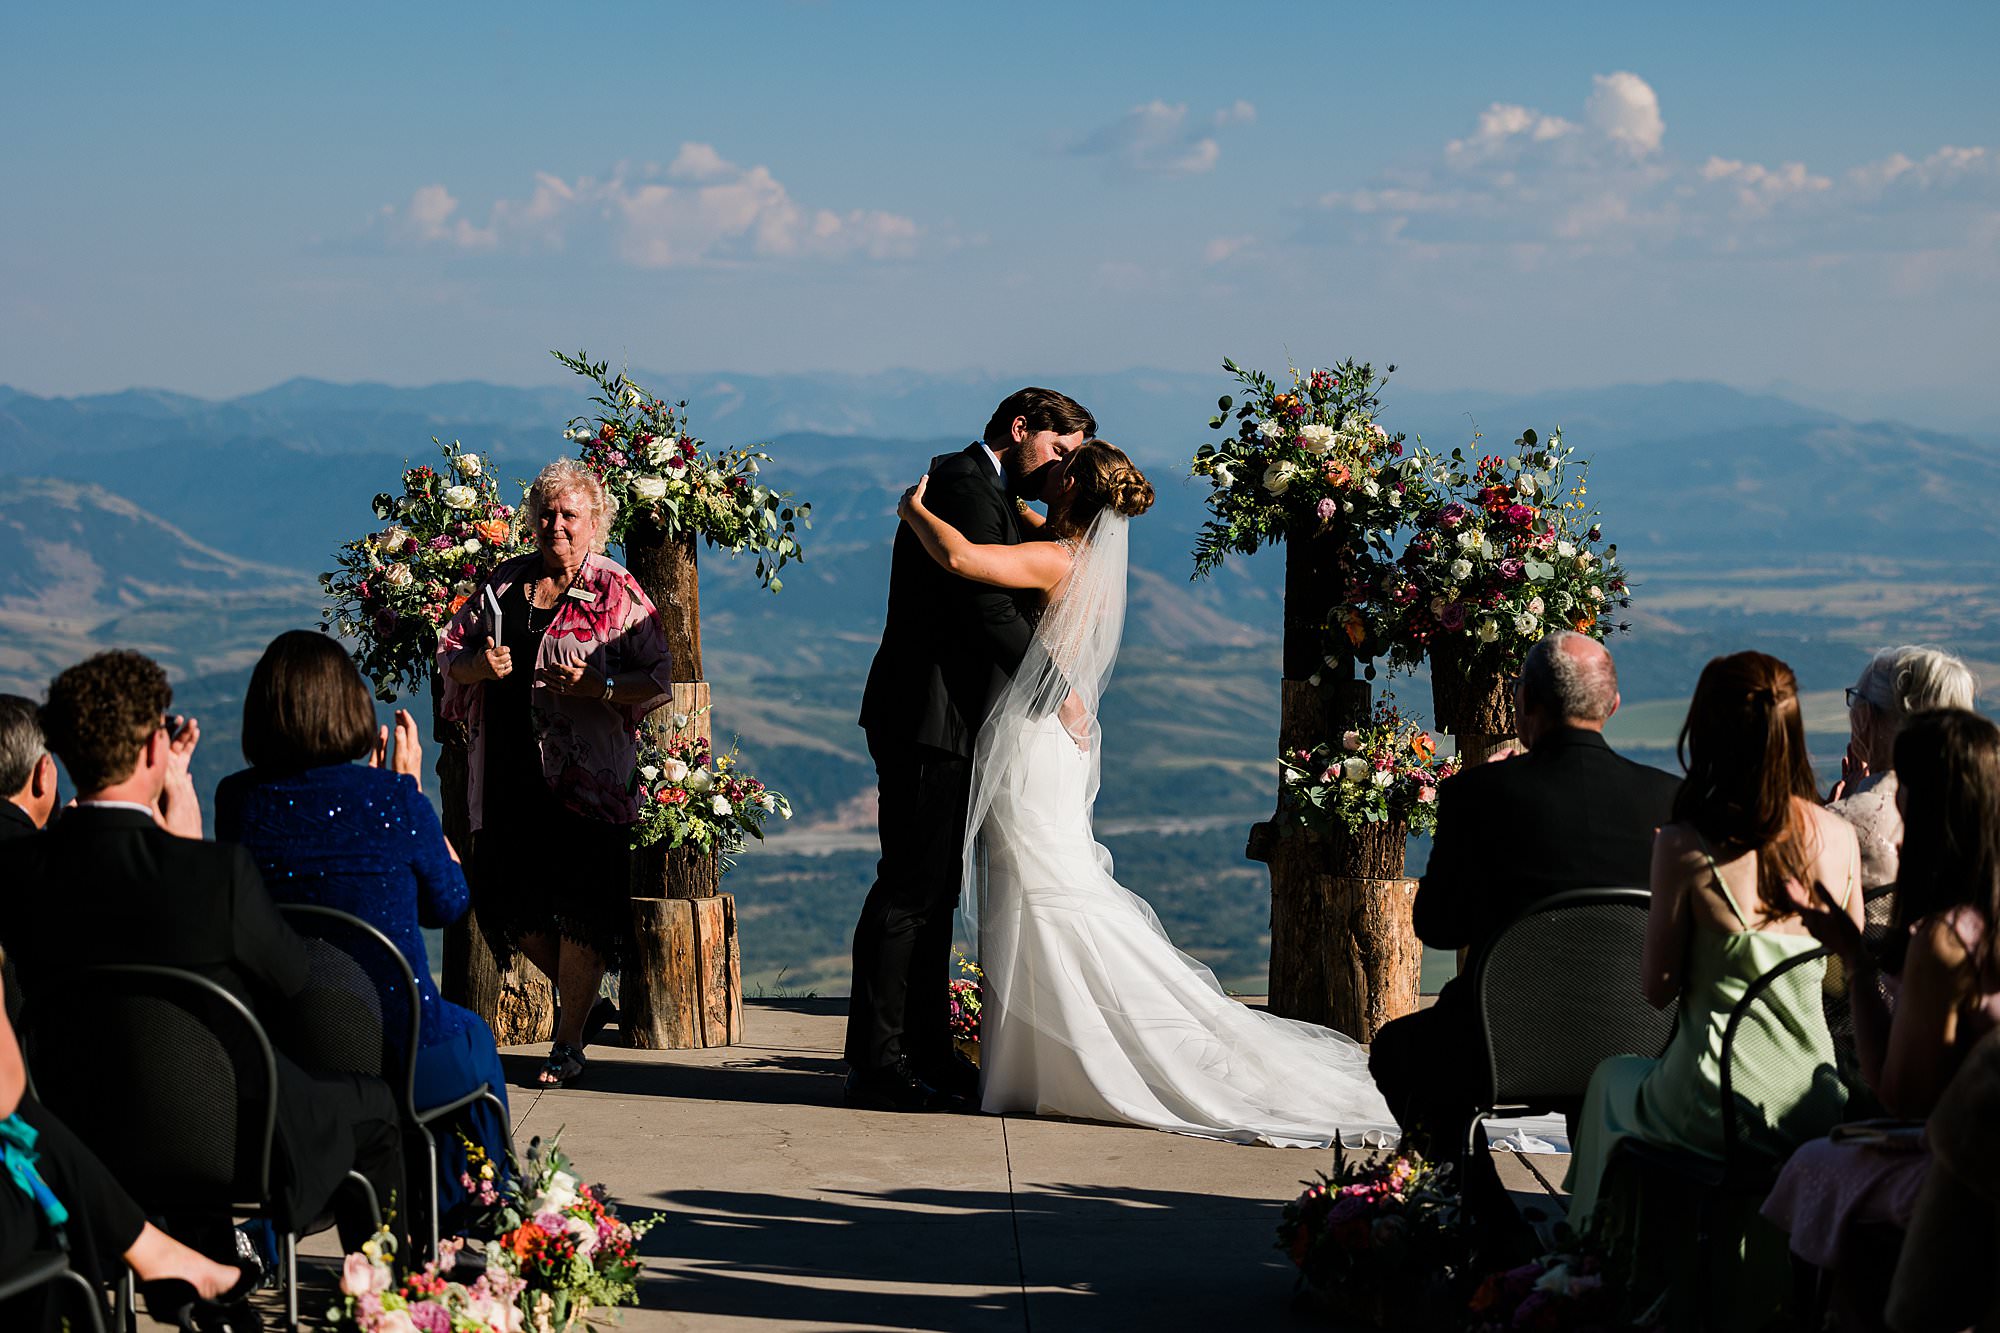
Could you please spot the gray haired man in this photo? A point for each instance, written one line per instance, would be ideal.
(27, 769)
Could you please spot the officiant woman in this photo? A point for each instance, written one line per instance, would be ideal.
(552, 664)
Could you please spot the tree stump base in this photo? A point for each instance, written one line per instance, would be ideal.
(1344, 950)
(683, 983)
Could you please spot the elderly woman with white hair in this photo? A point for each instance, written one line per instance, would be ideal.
(552, 665)
(1897, 684)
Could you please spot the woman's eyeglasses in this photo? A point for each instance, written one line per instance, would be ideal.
(1855, 696)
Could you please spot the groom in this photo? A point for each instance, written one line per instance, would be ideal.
(948, 647)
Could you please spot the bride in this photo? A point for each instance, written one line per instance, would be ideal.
(1090, 1010)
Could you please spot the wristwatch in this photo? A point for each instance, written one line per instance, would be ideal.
(610, 684)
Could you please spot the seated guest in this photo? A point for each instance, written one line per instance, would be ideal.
(102, 1228)
(1731, 877)
(361, 838)
(1570, 814)
(27, 769)
(1947, 903)
(1896, 683)
(1947, 1278)
(125, 878)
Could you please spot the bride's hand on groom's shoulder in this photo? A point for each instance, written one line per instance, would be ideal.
(913, 498)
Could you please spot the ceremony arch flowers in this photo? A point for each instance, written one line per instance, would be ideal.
(1384, 772)
(690, 796)
(397, 587)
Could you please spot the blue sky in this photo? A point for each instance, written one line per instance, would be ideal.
(212, 198)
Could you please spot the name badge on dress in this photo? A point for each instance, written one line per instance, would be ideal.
(581, 594)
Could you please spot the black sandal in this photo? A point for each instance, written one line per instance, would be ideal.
(173, 1300)
(563, 1067)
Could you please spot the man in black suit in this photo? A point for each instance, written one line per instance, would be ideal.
(947, 649)
(27, 770)
(1568, 814)
(124, 877)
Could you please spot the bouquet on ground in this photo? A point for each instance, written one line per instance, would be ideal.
(1307, 459)
(1383, 1243)
(372, 1300)
(641, 449)
(1383, 772)
(396, 588)
(688, 795)
(1570, 1287)
(967, 998)
(560, 1239)
(1503, 551)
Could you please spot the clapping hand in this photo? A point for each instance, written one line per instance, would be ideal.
(179, 811)
(1829, 922)
(565, 677)
(1853, 768)
(913, 499)
(403, 753)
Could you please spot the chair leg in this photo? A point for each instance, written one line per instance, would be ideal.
(1472, 1129)
(431, 1186)
(128, 1302)
(290, 1247)
(91, 1298)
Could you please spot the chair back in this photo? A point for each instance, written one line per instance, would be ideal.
(1558, 991)
(171, 1081)
(360, 1013)
(1765, 1111)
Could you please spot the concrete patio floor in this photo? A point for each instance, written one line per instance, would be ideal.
(787, 1211)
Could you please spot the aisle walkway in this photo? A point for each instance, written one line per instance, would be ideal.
(788, 1211)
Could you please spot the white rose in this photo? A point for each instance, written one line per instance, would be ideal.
(398, 576)
(768, 802)
(1395, 499)
(1350, 741)
(657, 448)
(391, 539)
(1316, 438)
(699, 781)
(1596, 593)
(460, 497)
(1565, 550)
(470, 546)
(1382, 777)
(1526, 623)
(1489, 629)
(647, 772)
(675, 771)
(558, 1194)
(1354, 769)
(1278, 477)
(1371, 488)
(1536, 605)
(1469, 540)
(723, 809)
(464, 588)
(1269, 429)
(468, 465)
(1223, 476)
(1461, 570)
(649, 489)
(1585, 559)
(1525, 484)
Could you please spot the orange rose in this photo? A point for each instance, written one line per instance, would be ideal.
(1338, 475)
(457, 602)
(1583, 623)
(1426, 749)
(1356, 627)
(493, 531)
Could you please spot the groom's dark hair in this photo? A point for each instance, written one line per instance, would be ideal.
(1043, 409)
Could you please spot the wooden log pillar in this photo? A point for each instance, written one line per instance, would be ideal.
(1344, 952)
(683, 982)
(1472, 698)
(516, 1001)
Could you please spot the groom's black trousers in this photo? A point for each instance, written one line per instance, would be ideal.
(902, 944)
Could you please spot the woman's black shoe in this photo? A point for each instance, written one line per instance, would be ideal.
(173, 1301)
(896, 1088)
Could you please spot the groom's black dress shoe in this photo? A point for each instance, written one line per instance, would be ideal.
(895, 1088)
(954, 1076)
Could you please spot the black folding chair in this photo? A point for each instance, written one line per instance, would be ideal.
(51, 1269)
(361, 1015)
(1558, 992)
(1754, 1147)
(172, 1081)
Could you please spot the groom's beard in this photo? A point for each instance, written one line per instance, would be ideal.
(1031, 486)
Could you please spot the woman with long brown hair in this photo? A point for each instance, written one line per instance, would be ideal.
(1731, 877)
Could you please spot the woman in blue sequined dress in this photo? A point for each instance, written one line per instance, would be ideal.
(361, 838)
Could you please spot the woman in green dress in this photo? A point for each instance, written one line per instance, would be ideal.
(1749, 847)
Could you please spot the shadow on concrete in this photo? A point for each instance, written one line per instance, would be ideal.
(1088, 1258)
(749, 1076)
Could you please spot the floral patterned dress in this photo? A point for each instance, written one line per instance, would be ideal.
(551, 775)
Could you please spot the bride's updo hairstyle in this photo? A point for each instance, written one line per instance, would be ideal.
(1101, 477)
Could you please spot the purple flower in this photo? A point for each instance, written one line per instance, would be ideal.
(1453, 616)
(1512, 570)
(1520, 515)
(1327, 509)
(440, 542)
(1452, 514)
(431, 1318)
(411, 547)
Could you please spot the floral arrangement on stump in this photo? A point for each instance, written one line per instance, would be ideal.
(1382, 1244)
(1384, 773)
(640, 447)
(396, 588)
(1307, 460)
(966, 995)
(1503, 550)
(691, 797)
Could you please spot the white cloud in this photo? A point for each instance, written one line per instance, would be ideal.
(1226, 247)
(1624, 109)
(1156, 139)
(1759, 188)
(714, 211)
(1504, 126)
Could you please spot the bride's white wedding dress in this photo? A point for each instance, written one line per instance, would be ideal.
(1090, 1010)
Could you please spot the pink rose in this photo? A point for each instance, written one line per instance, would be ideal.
(359, 1275)
(1327, 509)
(1425, 795)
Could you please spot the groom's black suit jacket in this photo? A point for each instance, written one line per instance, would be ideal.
(949, 644)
